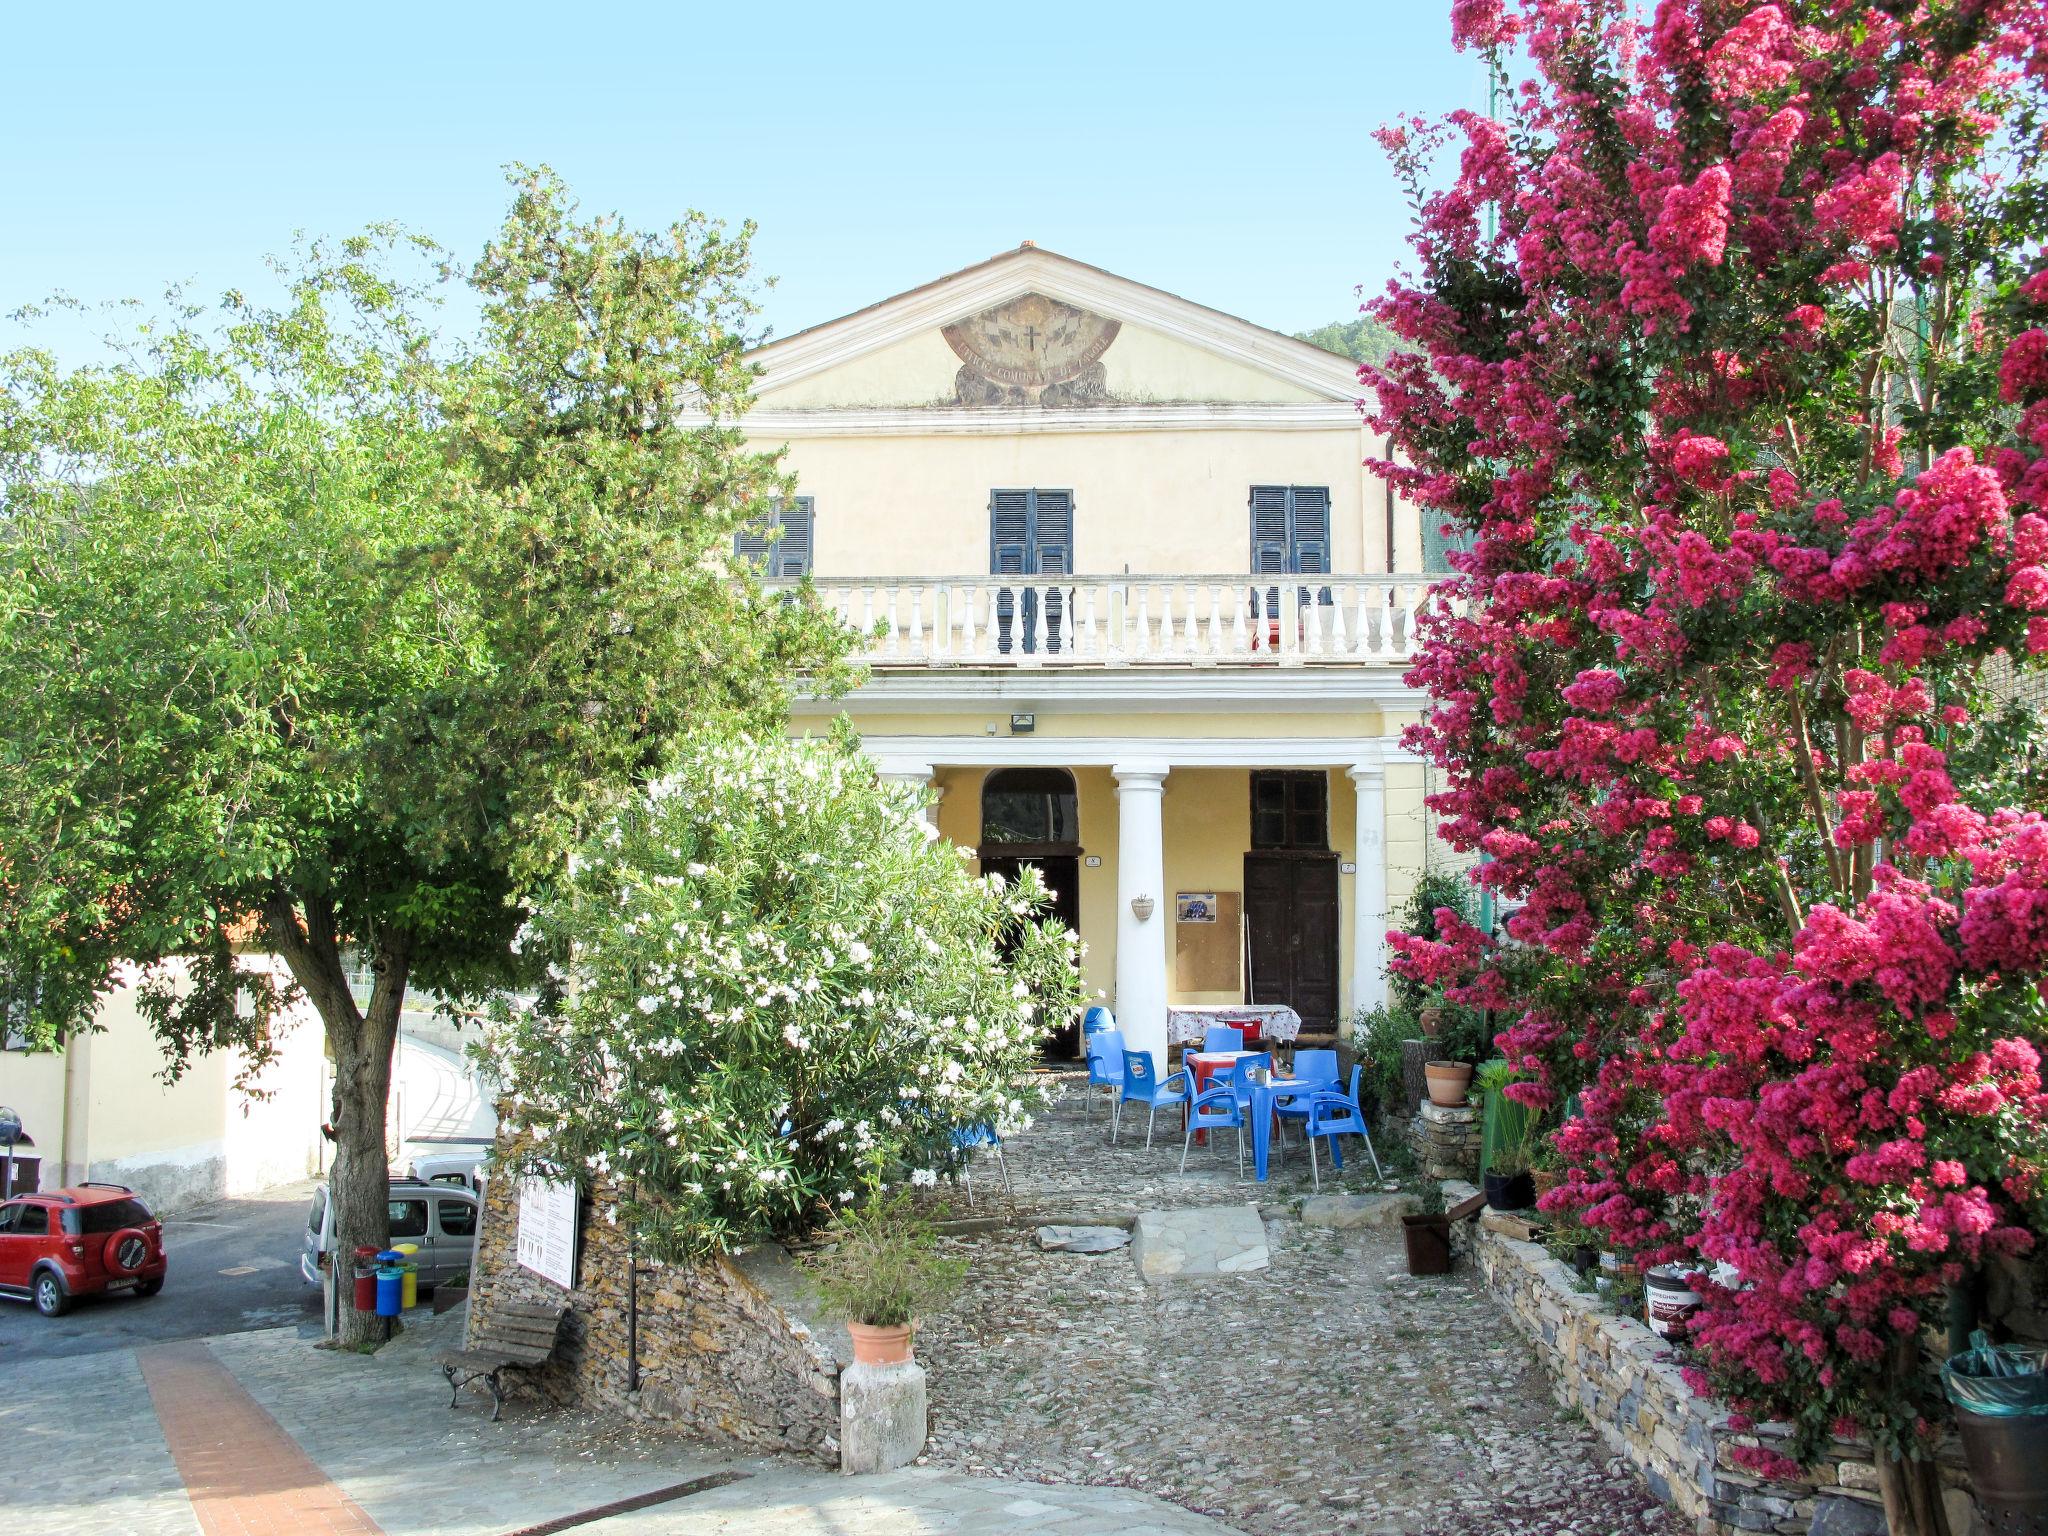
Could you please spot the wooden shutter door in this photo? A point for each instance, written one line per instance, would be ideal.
(1270, 550)
(1009, 554)
(1309, 534)
(1052, 536)
(793, 552)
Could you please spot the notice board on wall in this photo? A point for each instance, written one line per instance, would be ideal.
(548, 1212)
(1208, 941)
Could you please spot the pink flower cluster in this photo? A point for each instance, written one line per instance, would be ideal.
(1709, 689)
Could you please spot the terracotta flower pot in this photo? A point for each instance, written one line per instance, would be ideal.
(1449, 1082)
(1431, 1020)
(880, 1346)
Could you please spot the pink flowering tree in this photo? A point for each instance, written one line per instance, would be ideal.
(1728, 348)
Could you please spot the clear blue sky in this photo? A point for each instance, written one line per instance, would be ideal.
(1223, 153)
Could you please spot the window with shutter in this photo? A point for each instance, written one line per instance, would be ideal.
(1290, 537)
(784, 558)
(1030, 533)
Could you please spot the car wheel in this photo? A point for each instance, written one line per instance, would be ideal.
(50, 1298)
(150, 1287)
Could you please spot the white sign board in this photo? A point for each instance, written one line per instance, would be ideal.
(547, 1230)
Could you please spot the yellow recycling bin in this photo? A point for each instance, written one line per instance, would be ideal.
(409, 1295)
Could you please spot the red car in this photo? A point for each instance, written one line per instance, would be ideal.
(90, 1240)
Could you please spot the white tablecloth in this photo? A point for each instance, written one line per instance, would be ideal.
(1187, 1025)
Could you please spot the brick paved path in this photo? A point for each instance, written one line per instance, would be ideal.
(245, 1475)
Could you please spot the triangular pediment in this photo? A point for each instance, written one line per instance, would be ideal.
(1031, 329)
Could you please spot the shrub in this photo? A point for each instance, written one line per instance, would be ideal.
(881, 1266)
(783, 986)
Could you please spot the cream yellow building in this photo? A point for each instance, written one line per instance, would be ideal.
(1140, 617)
(98, 1108)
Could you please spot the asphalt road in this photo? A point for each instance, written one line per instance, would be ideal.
(234, 1266)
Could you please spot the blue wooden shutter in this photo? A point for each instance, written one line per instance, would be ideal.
(1053, 532)
(1009, 533)
(793, 551)
(1270, 544)
(787, 558)
(1309, 530)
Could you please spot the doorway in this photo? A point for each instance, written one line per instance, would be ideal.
(1290, 897)
(1030, 817)
(1290, 908)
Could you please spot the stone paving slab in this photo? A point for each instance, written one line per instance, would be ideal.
(87, 1456)
(786, 1499)
(1205, 1242)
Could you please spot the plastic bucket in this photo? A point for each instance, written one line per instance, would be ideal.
(410, 1271)
(1429, 1244)
(1669, 1300)
(366, 1279)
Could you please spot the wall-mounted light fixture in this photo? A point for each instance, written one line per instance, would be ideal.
(1141, 907)
(1023, 725)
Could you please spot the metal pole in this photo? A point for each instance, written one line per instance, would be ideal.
(7, 1188)
(632, 1313)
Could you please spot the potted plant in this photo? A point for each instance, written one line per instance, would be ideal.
(1509, 1186)
(879, 1269)
(1429, 1020)
(1449, 1082)
(1428, 1234)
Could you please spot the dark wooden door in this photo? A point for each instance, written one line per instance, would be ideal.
(1062, 875)
(1290, 905)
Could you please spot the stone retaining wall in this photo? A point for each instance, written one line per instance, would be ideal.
(1625, 1381)
(724, 1348)
(1445, 1140)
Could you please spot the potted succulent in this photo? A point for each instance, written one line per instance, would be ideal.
(879, 1269)
(1428, 1234)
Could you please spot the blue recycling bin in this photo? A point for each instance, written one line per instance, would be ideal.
(390, 1283)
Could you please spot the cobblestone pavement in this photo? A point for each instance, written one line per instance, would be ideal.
(1329, 1391)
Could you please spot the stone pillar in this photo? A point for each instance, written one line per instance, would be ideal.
(1140, 877)
(1369, 888)
(881, 1416)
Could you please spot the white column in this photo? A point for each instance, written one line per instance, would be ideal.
(1141, 878)
(1369, 887)
(894, 770)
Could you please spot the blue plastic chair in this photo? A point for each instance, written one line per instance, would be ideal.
(1215, 1110)
(1096, 1020)
(965, 1139)
(1222, 1037)
(1318, 1067)
(1142, 1085)
(1105, 1063)
(1334, 1114)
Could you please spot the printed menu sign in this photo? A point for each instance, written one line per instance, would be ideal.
(547, 1230)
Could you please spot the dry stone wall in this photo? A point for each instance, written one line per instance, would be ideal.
(724, 1347)
(1625, 1381)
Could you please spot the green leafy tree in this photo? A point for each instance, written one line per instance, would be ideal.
(1363, 340)
(326, 634)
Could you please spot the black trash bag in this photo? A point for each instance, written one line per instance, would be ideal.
(1998, 1381)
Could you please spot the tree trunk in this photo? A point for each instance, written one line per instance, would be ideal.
(1911, 1489)
(360, 1042)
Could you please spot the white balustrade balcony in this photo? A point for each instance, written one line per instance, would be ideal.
(1084, 621)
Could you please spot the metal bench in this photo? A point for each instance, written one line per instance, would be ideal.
(520, 1336)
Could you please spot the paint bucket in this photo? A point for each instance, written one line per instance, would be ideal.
(1669, 1300)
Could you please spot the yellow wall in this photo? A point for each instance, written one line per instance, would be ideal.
(1206, 820)
(1141, 365)
(1144, 502)
(1053, 721)
(98, 1110)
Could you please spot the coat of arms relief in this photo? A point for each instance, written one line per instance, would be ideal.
(1031, 350)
